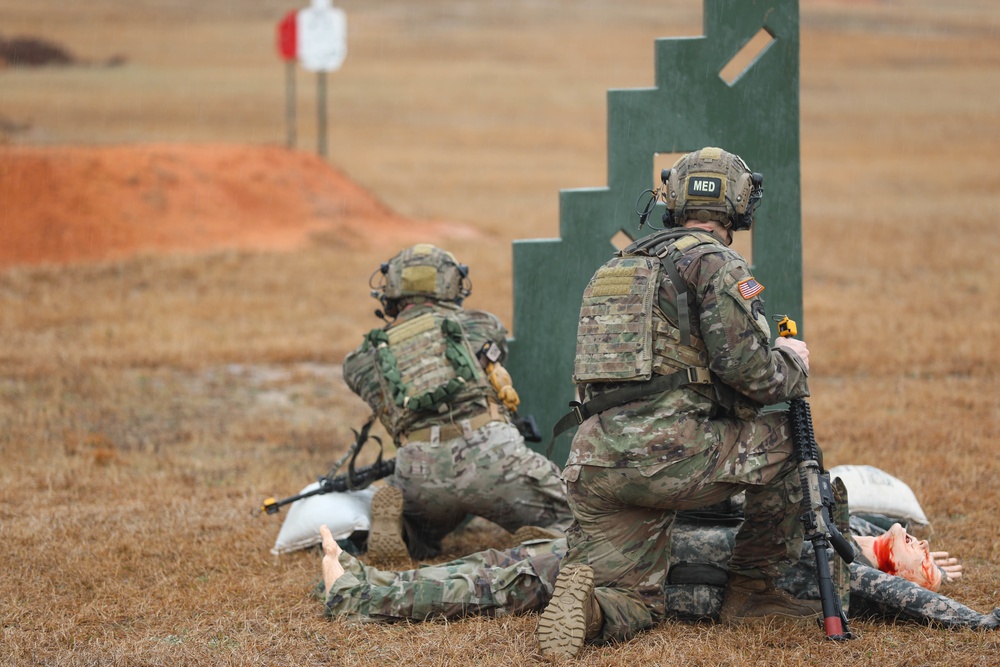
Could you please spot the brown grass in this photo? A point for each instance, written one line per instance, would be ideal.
(148, 404)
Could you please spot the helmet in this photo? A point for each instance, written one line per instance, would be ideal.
(421, 271)
(711, 184)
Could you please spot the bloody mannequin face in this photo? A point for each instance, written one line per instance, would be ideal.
(902, 554)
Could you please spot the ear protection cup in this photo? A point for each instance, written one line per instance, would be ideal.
(749, 190)
(671, 182)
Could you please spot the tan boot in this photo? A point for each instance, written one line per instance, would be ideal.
(385, 537)
(572, 615)
(749, 600)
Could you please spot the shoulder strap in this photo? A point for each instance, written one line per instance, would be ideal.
(659, 245)
(643, 245)
(680, 286)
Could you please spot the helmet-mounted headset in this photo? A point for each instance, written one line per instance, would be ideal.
(709, 184)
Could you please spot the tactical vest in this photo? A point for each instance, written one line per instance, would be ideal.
(425, 367)
(623, 334)
(627, 346)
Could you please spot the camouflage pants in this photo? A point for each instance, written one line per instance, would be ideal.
(491, 474)
(490, 583)
(624, 516)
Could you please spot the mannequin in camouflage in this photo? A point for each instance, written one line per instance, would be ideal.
(434, 376)
(673, 365)
(521, 581)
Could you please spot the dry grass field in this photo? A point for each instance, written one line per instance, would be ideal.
(154, 392)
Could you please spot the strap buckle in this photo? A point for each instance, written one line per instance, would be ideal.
(580, 412)
(698, 375)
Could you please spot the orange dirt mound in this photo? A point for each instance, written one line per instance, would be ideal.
(67, 204)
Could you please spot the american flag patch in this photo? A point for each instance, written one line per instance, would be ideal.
(750, 288)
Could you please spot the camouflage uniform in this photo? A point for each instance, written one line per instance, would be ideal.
(875, 593)
(871, 593)
(489, 583)
(521, 580)
(463, 455)
(633, 466)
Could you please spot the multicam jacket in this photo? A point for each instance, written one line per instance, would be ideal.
(630, 310)
(421, 370)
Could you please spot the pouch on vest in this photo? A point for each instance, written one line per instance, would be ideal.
(615, 333)
(423, 364)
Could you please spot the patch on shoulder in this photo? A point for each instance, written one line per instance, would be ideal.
(750, 288)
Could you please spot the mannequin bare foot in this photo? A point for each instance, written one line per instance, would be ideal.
(332, 569)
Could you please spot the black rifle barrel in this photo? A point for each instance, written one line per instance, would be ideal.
(355, 480)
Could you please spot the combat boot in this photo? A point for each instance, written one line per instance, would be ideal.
(385, 537)
(572, 615)
(749, 600)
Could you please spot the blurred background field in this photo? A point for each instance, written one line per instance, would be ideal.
(157, 383)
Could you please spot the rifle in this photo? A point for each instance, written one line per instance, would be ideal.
(355, 478)
(817, 506)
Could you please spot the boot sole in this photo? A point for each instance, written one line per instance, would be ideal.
(562, 626)
(385, 537)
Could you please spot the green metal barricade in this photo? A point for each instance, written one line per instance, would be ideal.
(698, 100)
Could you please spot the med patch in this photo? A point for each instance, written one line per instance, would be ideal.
(705, 187)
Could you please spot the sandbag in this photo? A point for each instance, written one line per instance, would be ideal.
(343, 513)
(881, 498)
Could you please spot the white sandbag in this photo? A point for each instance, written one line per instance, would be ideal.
(874, 491)
(343, 513)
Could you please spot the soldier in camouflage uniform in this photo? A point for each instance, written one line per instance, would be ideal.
(674, 363)
(434, 376)
(521, 581)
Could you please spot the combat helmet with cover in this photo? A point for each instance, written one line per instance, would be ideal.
(417, 273)
(711, 184)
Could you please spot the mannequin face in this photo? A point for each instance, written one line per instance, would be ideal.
(904, 555)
